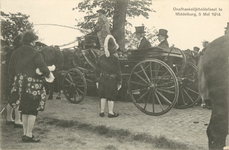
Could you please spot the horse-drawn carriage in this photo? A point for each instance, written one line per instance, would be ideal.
(157, 79)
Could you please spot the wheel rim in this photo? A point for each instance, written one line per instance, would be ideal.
(74, 86)
(153, 87)
(188, 87)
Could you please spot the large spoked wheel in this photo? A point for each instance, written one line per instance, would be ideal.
(188, 87)
(153, 87)
(74, 86)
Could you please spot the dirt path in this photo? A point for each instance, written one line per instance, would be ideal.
(187, 126)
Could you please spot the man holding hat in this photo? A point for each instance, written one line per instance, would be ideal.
(227, 29)
(162, 37)
(143, 42)
(102, 27)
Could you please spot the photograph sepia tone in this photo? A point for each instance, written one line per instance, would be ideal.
(114, 74)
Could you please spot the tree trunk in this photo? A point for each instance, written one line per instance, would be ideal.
(119, 20)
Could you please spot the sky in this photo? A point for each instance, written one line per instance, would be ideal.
(185, 30)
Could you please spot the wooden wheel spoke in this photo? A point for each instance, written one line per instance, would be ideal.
(142, 96)
(141, 78)
(145, 73)
(70, 77)
(192, 90)
(74, 96)
(134, 82)
(80, 90)
(162, 76)
(165, 83)
(138, 90)
(163, 97)
(80, 85)
(165, 90)
(150, 69)
(146, 102)
(158, 99)
(68, 80)
(157, 67)
(188, 95)
(182, 94)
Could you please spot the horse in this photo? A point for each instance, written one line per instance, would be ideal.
(53, 56)
(213, 74)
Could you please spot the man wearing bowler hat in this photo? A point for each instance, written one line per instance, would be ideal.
(162, 37)
(143, 42)
(102, 27)
(227, 29)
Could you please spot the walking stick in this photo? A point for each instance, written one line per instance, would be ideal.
(2, 110)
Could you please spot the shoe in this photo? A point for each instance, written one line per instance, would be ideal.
(9, 122)
(58, 97)
(32, 139)
(23, 138)
(102, 114)
(18, 125)
(113, 115)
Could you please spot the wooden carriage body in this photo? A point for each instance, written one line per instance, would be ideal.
(156, 79)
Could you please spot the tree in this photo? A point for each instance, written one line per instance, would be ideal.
(116, 9)
(12, 25)
(119, 20)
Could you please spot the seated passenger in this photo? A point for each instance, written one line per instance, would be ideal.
(143, 42)
(162, 37)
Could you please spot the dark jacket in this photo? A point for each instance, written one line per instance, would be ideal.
(25, 60)
(108, 74)
(164, 44)
(109, 65)
(144, 44)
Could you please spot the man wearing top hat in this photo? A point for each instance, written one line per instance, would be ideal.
(162, 37)
(102, 27)
(143, 42)
(227, 29)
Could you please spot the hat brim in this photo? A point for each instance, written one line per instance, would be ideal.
(163, 35)
(140, 32)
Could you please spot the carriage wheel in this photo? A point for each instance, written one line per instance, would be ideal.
(153, 87)
(74, 86)
(188, 87)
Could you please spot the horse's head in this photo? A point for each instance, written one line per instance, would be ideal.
(49, 54)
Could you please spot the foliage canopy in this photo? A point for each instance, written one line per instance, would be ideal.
(12, 25)
(135, 8)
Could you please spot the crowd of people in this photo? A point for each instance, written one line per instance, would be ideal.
(27, 72)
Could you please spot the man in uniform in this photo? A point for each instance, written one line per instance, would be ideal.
(102, 27)
(143, 42)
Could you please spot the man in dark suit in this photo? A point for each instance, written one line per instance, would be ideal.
(162, 37)
(143, 42)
